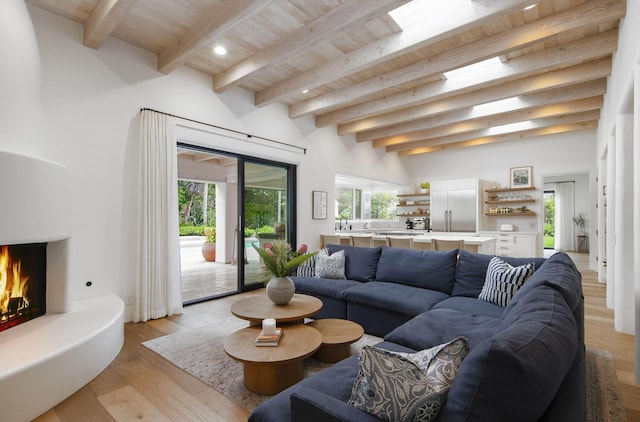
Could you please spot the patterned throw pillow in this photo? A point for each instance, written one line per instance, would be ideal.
(330, 266)
(407, 386)
(308, 267)
(503, 281)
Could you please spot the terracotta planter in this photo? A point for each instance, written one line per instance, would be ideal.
(209, 251)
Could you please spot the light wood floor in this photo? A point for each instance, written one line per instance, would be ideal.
(140, 385)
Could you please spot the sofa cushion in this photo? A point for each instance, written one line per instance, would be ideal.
(472, 270)
(403, 299)
(514, 375)
(330, 266)
(433, 270)
(439, 326)
(322, 287)
(471, 306)
(406, 386)
(360, 263)
(503, 281)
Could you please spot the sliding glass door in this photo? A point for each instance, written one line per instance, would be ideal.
(268, 203)
(227, 204)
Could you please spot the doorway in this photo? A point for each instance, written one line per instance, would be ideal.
(228, 202)
(549, 199)
(566, 198)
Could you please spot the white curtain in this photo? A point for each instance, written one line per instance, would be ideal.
(565, 236)
(158, 290)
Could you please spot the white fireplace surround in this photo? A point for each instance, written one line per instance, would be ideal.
(47, 359)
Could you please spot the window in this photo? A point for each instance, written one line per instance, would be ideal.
(349, 203)
(365, 199)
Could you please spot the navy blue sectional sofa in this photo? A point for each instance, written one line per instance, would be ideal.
(526, 360)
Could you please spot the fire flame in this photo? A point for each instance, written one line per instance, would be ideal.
(12, 283)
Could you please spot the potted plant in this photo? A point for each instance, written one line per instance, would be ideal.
(425, 187)
(581, 221)
(281, 260)
(209, 245)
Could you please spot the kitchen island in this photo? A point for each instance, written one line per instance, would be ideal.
(422, 239)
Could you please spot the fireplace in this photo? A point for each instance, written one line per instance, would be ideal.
(23, 270)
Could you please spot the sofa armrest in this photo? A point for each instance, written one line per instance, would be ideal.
(309, 405)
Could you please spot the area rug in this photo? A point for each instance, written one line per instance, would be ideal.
(199, 352)
(604, 402)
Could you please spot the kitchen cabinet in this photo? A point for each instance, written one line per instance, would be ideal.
(514, 244)
(454, 205)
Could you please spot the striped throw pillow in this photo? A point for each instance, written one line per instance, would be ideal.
(307, 268)
(503, 281)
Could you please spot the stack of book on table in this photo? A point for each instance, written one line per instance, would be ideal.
(269, 340)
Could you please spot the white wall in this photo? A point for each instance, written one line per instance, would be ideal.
(619, 133)
(91, 100)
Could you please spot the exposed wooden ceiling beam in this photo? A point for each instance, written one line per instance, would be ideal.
(514, 136)
(386, 134)
(543, 61)
(504, 117)
(104, 18)
(590, 13)
(455, 17)
(547, 81)
(347, 16)
(584, 116)
(214, 25)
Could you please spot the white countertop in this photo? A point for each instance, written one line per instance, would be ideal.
(420, 235)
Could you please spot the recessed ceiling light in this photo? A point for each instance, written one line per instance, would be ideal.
(305, 91)
(220, 50)
(530, 6)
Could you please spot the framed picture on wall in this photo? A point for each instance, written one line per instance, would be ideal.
(319, 204)
(521, 177)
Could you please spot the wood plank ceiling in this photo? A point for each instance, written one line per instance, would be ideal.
(349, 64)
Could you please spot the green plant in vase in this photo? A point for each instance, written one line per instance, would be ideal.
(209, 245)
(580, 220)
(281, 261)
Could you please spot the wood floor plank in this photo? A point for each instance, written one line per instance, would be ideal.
(49, 416)
(126, 404)
(108, 381)
(83, 406)
(222, 405)
(158, 388)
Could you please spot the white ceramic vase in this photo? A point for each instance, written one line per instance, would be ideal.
(280, 290)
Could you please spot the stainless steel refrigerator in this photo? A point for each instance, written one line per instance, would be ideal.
(454, 207)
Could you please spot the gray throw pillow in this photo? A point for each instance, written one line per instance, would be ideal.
(402, 387)
(503, 281)
(330, 266)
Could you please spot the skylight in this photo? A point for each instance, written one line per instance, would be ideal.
(403, 15)
(473, 68)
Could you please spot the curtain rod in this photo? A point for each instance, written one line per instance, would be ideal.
(248, 135)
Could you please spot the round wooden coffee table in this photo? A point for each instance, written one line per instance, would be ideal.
(256, 308)
(269, 370)
(337, 336)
